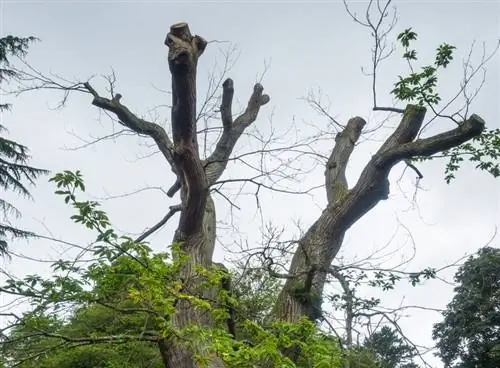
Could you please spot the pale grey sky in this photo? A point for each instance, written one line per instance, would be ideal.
(307, 45)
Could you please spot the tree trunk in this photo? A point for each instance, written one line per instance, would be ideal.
(197, 223)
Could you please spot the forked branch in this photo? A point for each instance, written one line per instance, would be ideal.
(217, 161)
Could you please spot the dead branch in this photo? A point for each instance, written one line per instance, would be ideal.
(172, 211)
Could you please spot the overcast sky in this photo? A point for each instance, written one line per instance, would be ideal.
(305, 45)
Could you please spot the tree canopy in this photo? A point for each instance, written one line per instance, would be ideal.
(469, 335)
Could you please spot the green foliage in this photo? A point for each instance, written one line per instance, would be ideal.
(123, 299)
(14, 170)
(469, 335)
(256, 292)
(380, 279)
(11, 46)
(360, 357)
(86, 321)
(483, 151)
(267, 343)
(390, 349)
(421, 86)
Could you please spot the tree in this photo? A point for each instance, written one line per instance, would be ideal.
(253, 289)
(469, 335)
(14, 170)
(390, 349)
(184, 289)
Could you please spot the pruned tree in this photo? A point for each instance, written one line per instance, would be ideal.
(306, 277)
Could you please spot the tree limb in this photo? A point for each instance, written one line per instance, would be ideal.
(321, 242)
(335, 179)
(467, 130)
(183, 54)
(173, 210)
(217, 161)
(131, 121)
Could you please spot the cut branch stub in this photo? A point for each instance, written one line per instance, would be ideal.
(407, 129)
(335, 178)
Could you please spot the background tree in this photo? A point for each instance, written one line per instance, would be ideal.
(189, 332)
(390, 349)
(469, 335)
(14, 170)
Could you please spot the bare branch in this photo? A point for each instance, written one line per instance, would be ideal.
(390, 109)
(173, 210)
(131, 121)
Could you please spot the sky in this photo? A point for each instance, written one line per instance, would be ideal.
(301, 47)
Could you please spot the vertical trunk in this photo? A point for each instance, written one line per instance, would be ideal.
(301, 295)
(196, 230)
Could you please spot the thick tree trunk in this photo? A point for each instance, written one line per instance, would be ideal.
(197, 224)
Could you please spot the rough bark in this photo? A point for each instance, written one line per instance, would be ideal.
(301, 295)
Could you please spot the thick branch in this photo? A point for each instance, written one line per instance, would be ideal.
(407, 129)
(373, 184)
(321, 242)
(469, 129)
(216, 163)
(335, 179)
(131, 121)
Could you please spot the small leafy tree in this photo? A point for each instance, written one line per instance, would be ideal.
(14, 168)
(469, 335)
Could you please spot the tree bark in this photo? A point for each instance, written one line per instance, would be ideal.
(197, 224)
